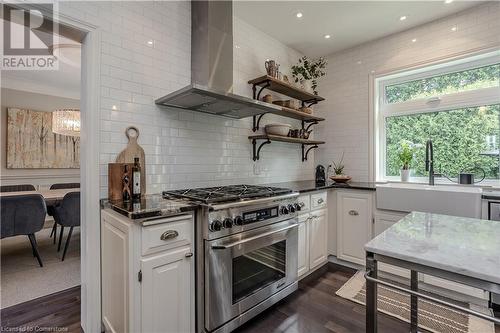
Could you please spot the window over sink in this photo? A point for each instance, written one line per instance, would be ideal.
(456, 104)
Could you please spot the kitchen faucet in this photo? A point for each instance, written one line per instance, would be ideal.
(429, 161)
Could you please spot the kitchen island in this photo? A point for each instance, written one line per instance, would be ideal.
(463, 250)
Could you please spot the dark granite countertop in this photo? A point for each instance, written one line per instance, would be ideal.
(310, 185)
(153, 205)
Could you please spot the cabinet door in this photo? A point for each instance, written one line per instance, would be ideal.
(354, 220)
(318, 235)
(303, 255)
(168, 292)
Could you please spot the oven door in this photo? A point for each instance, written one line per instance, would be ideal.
(243, 270)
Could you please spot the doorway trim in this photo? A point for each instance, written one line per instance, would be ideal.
(90, 231)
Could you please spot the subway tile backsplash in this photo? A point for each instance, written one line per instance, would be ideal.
(183, 148)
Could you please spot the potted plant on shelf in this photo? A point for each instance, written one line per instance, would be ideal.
(406, 153)
(307, 71)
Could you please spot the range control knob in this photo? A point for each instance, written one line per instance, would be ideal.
(291, 208)
(228, 222)
(284, 210)
(238, 220)
(297, 206)
(216, 225)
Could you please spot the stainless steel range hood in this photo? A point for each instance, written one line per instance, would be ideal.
(212, 66)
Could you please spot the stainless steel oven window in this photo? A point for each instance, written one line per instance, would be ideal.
(257, 269)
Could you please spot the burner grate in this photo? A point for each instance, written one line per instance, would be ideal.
(227, 193)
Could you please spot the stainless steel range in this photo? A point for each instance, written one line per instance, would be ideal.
(246, 251)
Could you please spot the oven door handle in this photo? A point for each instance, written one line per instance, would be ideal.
(249, 239)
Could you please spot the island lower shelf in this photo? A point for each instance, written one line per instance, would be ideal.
(267, 139)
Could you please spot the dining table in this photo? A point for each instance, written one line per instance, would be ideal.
(52, 197)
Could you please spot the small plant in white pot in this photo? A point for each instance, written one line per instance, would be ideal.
(405, 154)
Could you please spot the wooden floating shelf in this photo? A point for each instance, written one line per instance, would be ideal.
(292, 113)
(289, 113)
(285, 139)
(285, 88)
(267, 139)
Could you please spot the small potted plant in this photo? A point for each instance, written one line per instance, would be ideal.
(406, 152)
(338, 171)
(307, 72)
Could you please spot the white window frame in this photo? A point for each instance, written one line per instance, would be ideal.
(436, 103)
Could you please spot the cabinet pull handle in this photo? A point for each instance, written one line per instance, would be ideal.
(320, 200)
(169, 234)
(353, 212)
(189, 255)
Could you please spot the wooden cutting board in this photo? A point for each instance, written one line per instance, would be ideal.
(132, 151)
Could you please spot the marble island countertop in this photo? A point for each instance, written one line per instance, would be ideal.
(460, 245)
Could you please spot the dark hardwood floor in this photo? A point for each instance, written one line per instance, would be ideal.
(59, 312)
(314, 308)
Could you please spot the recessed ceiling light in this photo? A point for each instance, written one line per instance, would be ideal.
(299, 15)
(150, 42)
(414, 40)
(327, 36)
(454, 28)
(237, 46)
(359, 62)
(402, 18)
(448, 1)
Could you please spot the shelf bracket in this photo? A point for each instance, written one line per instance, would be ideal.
(306, 152)
(256, 151)
(254, 89)
(256, 122)
(311, 102)
(311, 123)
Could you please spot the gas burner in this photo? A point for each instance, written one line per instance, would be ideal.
(219, 194)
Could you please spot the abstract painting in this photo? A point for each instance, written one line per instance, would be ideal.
(32, 145)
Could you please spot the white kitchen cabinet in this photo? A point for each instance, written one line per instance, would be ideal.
(318, 235)
(147, 274)
(303, 255)
(167, 293)
(313, 233)
(354, 224)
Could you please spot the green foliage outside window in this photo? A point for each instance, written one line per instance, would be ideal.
(460, 137)
(477, 78)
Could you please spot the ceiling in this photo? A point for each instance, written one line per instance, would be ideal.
(349, 23)
(64, 82)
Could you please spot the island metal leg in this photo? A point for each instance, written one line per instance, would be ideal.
(414, 303)
(371, 294)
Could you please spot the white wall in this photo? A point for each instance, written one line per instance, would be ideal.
(41, 178)
(346, 87)
(183, 148)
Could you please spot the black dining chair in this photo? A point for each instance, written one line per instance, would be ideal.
(23, 215)
(17, 188)
(64, 185)
(67, 214)
(50, 208)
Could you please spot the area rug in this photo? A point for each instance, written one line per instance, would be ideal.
(431, 316)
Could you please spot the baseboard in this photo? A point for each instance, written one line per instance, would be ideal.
(335, 260)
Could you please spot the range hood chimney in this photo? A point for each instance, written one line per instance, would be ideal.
(211, 85)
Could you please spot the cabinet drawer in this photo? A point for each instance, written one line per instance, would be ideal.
(305, 203)
(172, 233)
(318, 200)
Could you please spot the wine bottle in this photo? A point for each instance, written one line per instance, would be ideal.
(136, 178)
